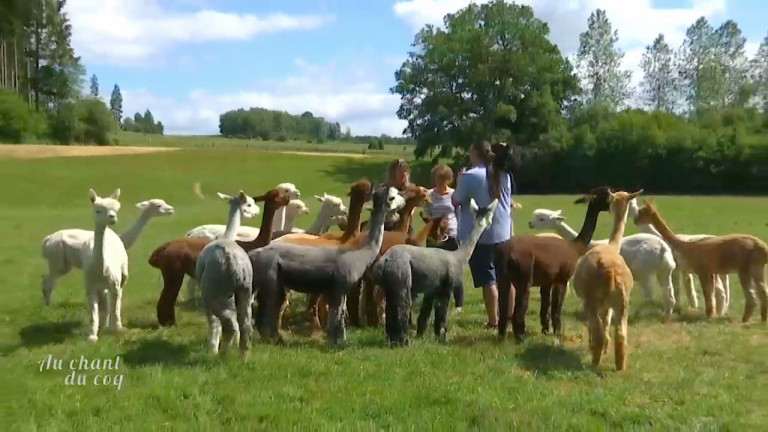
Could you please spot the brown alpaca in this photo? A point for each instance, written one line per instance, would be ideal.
(524, 261)
(604, 282)
(743, 254)
(178, 257)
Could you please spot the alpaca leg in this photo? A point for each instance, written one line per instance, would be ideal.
(105, 311)
(606, 317)
(690, 290)
(116, 304)
(93, 304)
(283, 307)
(645, 283)
(664, 279)
(191, 288)
(720, 294)
(725, 281)
(425, 310)
(750, 300)
(313, 301)
(676, 280)
(381, 302)
(336, 330)
(544, 315)
(707, 287)
(596, 334)
(398, 313)
(620, 344)
(166, 304)
(505, 292)
(522, 293)
(353, 305)
(243, 299)
(229, 328)
(758, 282)
(558, 298)
(441, 315)
(214, 333)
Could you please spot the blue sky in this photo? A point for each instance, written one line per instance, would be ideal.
(190, 60)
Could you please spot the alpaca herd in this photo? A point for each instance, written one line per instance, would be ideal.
(367, 273)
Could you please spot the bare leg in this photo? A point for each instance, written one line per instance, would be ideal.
(491, 299)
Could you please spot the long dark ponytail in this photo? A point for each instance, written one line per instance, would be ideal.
(483, 149)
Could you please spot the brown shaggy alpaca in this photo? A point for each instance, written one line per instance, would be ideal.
(179, 257)
(524, 261)
(604, 282)
(743, 254)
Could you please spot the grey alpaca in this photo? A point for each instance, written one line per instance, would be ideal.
(435, 272)
(332, 271)
(225, 276)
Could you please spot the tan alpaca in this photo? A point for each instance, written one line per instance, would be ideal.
(743, 254)
(604, 282)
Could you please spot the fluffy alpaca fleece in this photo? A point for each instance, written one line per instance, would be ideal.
(436, 272)
(646, 255)
(604, 282)
(61, 250)
(332, 271)
(743, 254)
(105, 264)
(225, 276)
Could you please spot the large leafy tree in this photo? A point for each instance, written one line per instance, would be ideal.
(490, 73)
(599, 63)
(759, 74)
(659, 86)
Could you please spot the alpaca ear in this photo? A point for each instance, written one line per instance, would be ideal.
(584, 199)
(473, 205)
(492, 206)
(320, 198)
(635, 194)
(142, 205)
(242, 196)
(92, 195)
(116, 194)
(225, 197)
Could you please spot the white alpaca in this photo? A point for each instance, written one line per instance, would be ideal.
(646, 255)
(683, 274)
(105, 264)
(289, 189)
(61, 249)
(295, 208)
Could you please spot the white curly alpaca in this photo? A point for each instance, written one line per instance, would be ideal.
(295, 208)
(105, 264)
(646, 255)
(683, 274)
(61, 250)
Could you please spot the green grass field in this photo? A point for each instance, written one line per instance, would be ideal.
(690, 374)
(219, 142)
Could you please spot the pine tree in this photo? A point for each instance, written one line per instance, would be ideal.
(94, 86)
(759, 74)
(599, 63)
(116, 105)
(659, 86)
(701, 76)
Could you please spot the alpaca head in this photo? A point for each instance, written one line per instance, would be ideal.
(361, 190)
(633, 208)
(247, 205)
(483, 215)
(289, 189)
(155, 207)
(598, 198)
(507, 157)
(274, 199)
(332, 205)
(544, 219)
(645, 213)
(105, 209)
(296, 207)
(388, 199)
(619, 202)
(439, 229)
(417, 195)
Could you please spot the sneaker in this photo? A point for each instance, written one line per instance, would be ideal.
(490, 326)
(459, 309)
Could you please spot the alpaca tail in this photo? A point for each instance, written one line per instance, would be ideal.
(154, 258)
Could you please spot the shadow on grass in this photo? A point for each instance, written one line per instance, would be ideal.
(47, 333)
(154, 352)
(143, 324)
(544, 358)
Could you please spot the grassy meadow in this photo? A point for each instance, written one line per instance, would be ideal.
(689, 374)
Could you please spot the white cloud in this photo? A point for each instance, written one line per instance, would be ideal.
(346, 96)
(129, 32)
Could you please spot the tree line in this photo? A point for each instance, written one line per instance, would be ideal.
(491, 72)
(41, 81)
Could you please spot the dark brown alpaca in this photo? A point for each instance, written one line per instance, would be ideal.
(524, 261)
(179, 257)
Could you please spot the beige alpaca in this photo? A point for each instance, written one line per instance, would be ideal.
(743, 254)
(604, 282)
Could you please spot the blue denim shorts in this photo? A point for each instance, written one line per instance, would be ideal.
(481, 264)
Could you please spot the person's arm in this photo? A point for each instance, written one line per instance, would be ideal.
(462, 192)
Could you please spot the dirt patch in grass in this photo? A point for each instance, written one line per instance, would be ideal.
(303, 153)
(36, 151)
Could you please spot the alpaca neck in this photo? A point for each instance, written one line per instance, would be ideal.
(98, 245)
(353, 220)
(265, 232)
(321, 221)
(289, 220)
(466, 248)
(279, 219)
(421, 237)
(376, 230)
(584, 237)
(132, 234)
(233, 222)
(565, 231)
(617, 232)
(664, 232)
(648, 229)
(405, 216)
